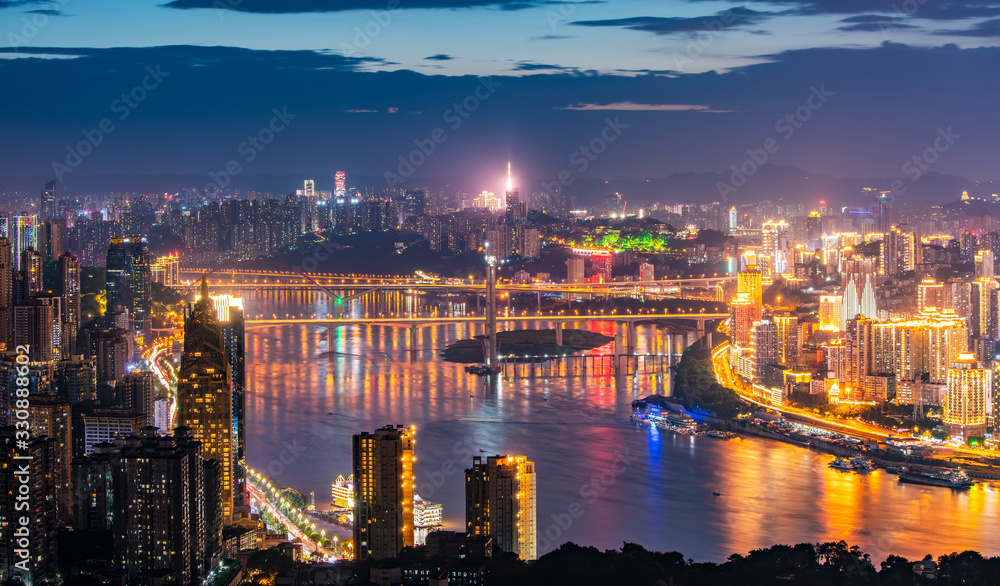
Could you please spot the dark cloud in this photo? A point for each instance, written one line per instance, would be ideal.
(986, 29)
(45, 11)
(531, 66)
(304, 6)
(439, 57)
(887, 105)
(552, 37)
(901, 9)
(734, 18)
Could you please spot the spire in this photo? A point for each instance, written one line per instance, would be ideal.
(510, 182)
(204, 286)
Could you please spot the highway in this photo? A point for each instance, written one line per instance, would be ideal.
(257, 495)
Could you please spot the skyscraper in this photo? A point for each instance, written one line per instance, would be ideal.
(970, 393)
(204, 394)
(383, 492)
(765, 344)
(500, 501)
(6, 295)
(22, 236)
(48, 201)
(32, 280)
(229, 312)
(129, 289)
(69, 293)
(36, 325)
(340, 185)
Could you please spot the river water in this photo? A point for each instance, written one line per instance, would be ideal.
(307, 395)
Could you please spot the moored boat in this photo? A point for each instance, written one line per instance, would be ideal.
(956, 479)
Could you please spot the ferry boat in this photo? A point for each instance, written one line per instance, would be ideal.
(929, 477)
(841, 464)
(482, 369)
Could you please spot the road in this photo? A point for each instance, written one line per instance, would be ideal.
(257, 495)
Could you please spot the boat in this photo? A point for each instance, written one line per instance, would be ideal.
(862, 465)
(329, 412)
(482, 369)
(956, 479)
(716, 493)
(840, 463)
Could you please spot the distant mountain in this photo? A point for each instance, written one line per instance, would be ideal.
(773, 182)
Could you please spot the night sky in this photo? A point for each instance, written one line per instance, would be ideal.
(687, 86)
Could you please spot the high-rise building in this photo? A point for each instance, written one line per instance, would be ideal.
(733, 219)
(23, 236)
(501, 501)
(50, 417)
(32, 280)
(229, 312)
(159, 503)
(383, 492)
(36, 325)
(42, 521)
(930, 294)
(765, 345)
(789, 339)
(204, 392)
(831, 313)
(970, 393)
(751, 282)
(743, 313)
(129, 292)
(884, 211)
(69, 304)
(6, 295)
(165, 270)
(898, 251)
(340, 185)
(48, 201)
(984, 264)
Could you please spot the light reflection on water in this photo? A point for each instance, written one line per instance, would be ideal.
(578, 433)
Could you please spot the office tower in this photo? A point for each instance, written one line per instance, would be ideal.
(884, 211)
(32, 280)
(733, 219)
(165, 270)
(204, 394)
(765, 345)
(743, 314)
(41, 513)
(159, 495)
(229, 312)
(69, 293)
(129, 293)
(414, 203)
(309, 188)
(970, 393)
(774, 241)
(984, 264)
(53, 241)
(340, 185)
(968, 246)
(500, 502)
(22, 236)
(48, 201)
(831, 313)
(112, 350)
(6, 295)
(789, 339)
(814, 231)
(36, 325)
(383, 492)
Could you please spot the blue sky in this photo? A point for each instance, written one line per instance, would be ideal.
(369, 78)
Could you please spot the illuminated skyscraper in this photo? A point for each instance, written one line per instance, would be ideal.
(831, 313)
(984, 264)
(69, 292)
(970, 393)
(229, 312)
(48, 201)
(765, 345)
(733, 219)
(898, 252)
(6, 295)
(340, 185)
(743, 314)
(129, 288)
(204, 394)
(500, 501)
(165, 270)
(751, 282)
(788, 339)
(23, 236)
(930, 294)
(383, 492)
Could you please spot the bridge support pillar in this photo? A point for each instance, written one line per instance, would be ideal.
(413, 342)
(559, 334)
(630, 344)
(701, 333)
(539, 294)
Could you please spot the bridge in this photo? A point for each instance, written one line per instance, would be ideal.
(415, 323)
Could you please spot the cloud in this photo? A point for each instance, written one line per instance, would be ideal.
(532, 66)
(733, 18)
(551, 37)
(45, 11)
(308, 6)
(985, 29)
(439, 57)
(633, 107)
(900, 9)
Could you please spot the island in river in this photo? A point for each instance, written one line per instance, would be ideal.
(526, 343)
